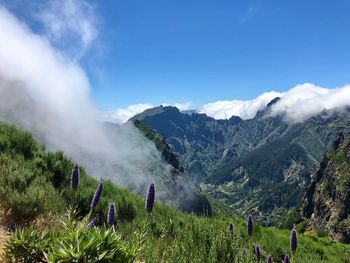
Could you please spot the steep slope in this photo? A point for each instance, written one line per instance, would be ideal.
(198, 139)
(167, 153)
(181, 187)
(249, 164)
(120, 153)
(327, 201)
(203, 143)
(35, 185)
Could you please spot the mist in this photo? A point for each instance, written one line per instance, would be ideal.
(45, 91)
(295, 105)
(308, 100)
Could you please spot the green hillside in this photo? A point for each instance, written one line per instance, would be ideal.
(261, 165)
(35, 194)
(327, 201)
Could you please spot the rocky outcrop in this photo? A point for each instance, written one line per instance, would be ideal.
(326, 203)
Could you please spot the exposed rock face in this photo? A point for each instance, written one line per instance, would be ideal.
(326, 204)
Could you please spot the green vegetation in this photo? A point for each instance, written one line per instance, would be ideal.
(326, 204)
(260, 165)
(51, 234)
(167, 153)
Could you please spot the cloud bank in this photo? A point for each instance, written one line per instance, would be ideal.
(246, 109)
(307, 100)
(45, 90)
(296, 105)
(122, 115)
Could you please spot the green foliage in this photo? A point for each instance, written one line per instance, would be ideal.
(167, 153)
(94, 245)
(15, 141)
(25, 191)
(69, 245)
(264, 158)
(327, 202)
(27, 245)
(166, 235)
(292, 217)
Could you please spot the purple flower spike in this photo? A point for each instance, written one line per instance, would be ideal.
(111, 215)
(293, 240)
(257, 252)
(286, 258)
(269, 259)
(97, 196)
(250, 225)
(150, 198)
(230, 228)
(75, 177)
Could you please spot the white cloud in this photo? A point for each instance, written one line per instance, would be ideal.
(122, 115)
(48, 94)
(246, 109)
(70, 24)
(308, 100)
(296, 105)
(49, 76)
(180, 106)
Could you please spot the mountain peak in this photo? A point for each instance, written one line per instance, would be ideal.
(154, 111)
(265, 111)
(272, 102)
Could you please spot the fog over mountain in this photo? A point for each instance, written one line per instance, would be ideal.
(308, 100)
(296, 105)
(45, 90)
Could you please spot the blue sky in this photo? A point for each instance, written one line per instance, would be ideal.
(201, 51)
(177, 51)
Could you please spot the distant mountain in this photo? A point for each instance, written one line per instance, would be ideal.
(189, 112)
(327, 201)
(260, 165)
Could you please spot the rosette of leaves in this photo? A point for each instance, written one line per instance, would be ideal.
(27, 245)
(95, 245)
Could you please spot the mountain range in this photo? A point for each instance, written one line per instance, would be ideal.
(260, 165)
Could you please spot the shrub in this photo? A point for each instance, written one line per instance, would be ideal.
(24, 191)
(16, 141)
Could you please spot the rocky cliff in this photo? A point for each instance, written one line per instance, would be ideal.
(327, 201)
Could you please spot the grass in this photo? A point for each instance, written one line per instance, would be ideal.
(166, 235)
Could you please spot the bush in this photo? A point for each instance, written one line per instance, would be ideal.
(15, 141)
(24, 191)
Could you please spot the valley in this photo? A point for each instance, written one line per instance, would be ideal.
(260, 165)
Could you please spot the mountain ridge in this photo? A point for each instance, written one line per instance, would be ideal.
(234, 160)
